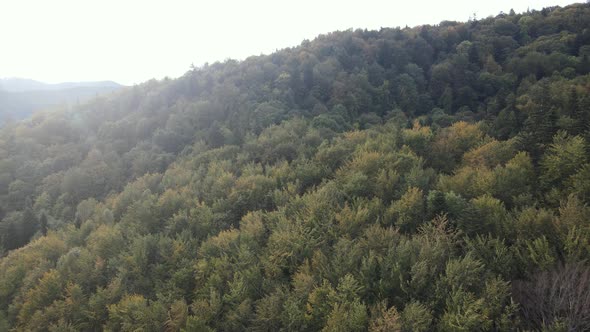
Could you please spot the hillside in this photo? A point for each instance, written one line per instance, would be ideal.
(19, 98)
(434, 178)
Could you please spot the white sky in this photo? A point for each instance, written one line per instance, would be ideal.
(130, 41)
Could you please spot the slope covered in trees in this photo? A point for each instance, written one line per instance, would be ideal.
(418, 179)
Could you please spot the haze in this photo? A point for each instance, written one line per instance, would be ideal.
(133, 41)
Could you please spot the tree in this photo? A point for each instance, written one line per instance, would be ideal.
(561, 161)
(408, 212)
(540, 125)
(416, 317)
(43, 224)
(559, 297)
(135, 312)
(385, 320)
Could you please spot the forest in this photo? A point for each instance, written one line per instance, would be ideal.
(432, 178)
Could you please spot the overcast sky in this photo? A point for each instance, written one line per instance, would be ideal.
(131, 41)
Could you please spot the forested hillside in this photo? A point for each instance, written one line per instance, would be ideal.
(434, 178)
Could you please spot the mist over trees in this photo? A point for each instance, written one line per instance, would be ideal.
(20, 98)
(416, 179)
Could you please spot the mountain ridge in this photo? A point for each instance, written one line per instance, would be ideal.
(20, 98)
(17, 84)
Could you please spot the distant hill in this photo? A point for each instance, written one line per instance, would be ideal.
(16, 84)
(20, 97)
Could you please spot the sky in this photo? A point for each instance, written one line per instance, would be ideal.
(131, 41)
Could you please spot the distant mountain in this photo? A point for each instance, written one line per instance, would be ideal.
(19, 97)
(16, 84)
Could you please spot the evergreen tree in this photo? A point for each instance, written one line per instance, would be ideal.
(43, 223)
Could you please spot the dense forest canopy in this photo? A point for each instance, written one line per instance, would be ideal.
(416, 179)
